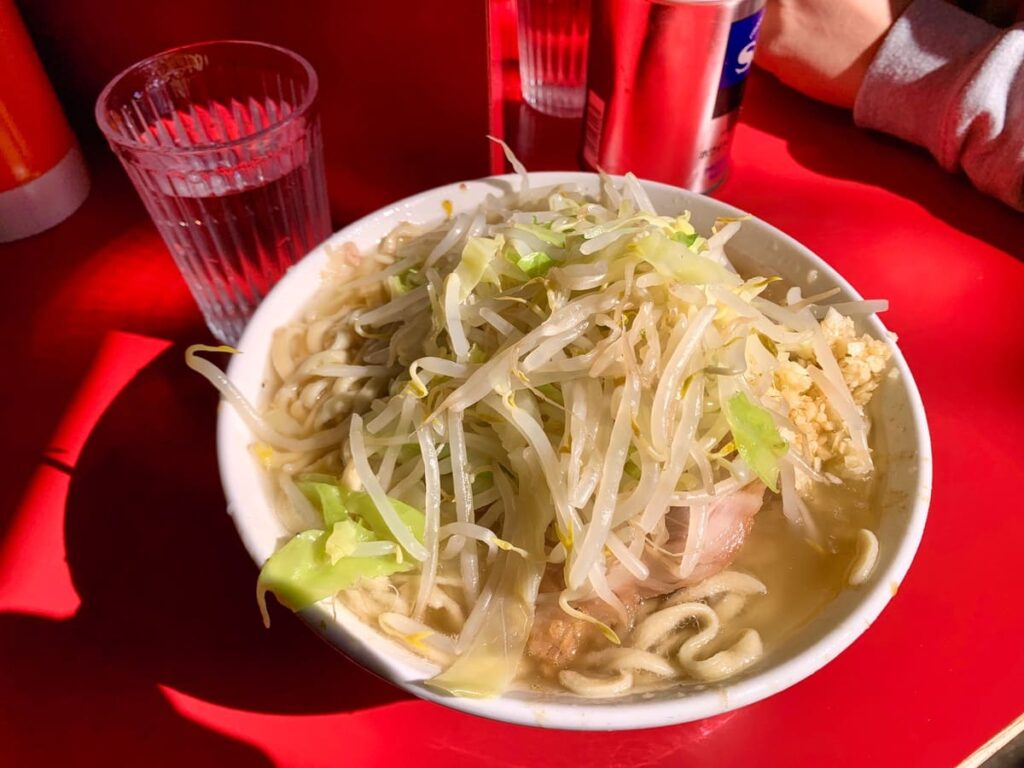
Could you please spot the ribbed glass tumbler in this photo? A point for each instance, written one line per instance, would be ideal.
(553, 37)
(222, 141)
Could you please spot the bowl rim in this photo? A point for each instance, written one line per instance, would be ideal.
(599, 714)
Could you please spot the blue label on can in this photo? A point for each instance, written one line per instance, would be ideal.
(739, 51)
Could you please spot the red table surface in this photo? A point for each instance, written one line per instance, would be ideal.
(128, 630)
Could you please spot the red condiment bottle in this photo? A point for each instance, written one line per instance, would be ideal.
(43, 178)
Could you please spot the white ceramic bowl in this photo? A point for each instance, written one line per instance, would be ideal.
(901, 438)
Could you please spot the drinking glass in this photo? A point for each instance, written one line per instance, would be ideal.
(553, 37)
(222, 142)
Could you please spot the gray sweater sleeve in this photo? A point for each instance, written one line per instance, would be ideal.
(954, 84)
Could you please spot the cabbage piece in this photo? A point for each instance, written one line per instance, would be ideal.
(544, 233)
(535, 264)
(683, 231)
(488, 664)
(344, 538)
(325, 495)
(337, 503)
(318, 563)
(475, 264)
(302, 572)
(404, 282)
(360, 505)
(674, 260)
(757, 439)
(686, 238)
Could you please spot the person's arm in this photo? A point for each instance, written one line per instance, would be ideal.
(936, 76)
(954, 84)
(823, 48)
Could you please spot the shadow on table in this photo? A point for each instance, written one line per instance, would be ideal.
(34, 269)
(826, 141)
(167, 598)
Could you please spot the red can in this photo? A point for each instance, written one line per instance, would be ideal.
(665, 82)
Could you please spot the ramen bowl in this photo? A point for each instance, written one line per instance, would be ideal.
(903, 485)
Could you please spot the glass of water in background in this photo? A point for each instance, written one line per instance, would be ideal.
(222, 141)
(553, 37)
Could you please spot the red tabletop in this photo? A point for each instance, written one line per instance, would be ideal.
(128, 628)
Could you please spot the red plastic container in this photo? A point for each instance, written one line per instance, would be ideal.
(43, 179)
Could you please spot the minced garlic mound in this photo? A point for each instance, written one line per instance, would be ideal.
(821, 435)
